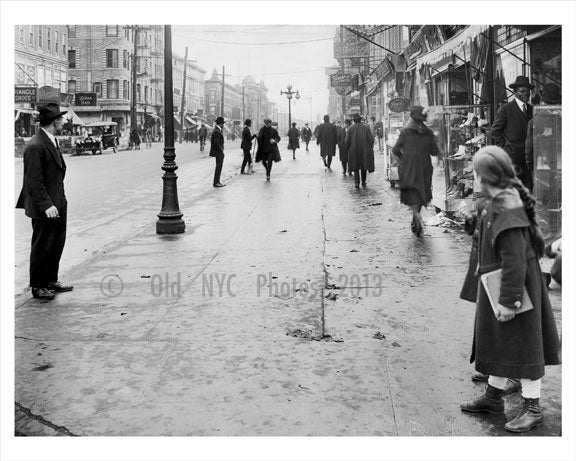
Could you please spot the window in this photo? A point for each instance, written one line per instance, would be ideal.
(72, 31)
(112, 88)
(21, 35)
(111, 31)
(127, 32)
(111, 58)
(145, 94)
(212, 95)
(125, 59)
(139, 92)
(63, 43)
(97, 88)
(40, 37)
(31, 39)
(71, 59)
(126, 89)
(56, 46)
(48, 38)
(71, 86)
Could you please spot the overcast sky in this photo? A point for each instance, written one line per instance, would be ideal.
(269, 53)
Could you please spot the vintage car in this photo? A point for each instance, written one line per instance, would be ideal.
(101, 138)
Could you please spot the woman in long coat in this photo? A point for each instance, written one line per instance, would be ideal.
(293, 140)
(360, 148)
(268, 152)
(508, 344)
(414, 147)
(342, 149)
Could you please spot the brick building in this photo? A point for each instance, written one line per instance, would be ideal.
(195, 91)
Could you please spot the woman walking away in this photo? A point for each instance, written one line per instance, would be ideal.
(246, 146)
(268, 139)
(293, 140)
(508, 343)
(414, 147)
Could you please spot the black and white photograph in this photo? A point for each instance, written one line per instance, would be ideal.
(287, 230)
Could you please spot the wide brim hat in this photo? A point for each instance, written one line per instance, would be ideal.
(551, 94)
(521, 81)
(50, 111)
(219, 120)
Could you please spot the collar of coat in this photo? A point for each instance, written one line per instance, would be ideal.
(507, 212)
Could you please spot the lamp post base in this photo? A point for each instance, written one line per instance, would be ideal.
(170, 226)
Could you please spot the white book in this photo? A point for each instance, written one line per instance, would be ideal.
(492, 281)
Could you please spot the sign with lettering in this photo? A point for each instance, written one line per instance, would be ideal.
(340, 80)
(48, 94)
(86, 99)
(28, 94)
(341, 90)
(398, 105)
(415, 49)
(351, 46)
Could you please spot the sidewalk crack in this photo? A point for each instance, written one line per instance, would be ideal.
(61, 430)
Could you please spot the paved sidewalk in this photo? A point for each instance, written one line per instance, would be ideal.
(301, 306)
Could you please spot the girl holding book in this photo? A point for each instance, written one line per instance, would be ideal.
(508, 344)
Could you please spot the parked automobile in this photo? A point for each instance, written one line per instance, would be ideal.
(101, 138)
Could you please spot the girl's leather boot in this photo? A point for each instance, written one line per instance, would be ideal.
(490, 402)
(528, 418)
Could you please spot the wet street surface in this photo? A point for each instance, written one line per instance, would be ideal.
(299, 306)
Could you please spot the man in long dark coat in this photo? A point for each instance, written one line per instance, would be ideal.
(217, 150)
(306, 134)
(342, 149)
(360, 146)
(511, 126)
(44, 201)
(327, 139)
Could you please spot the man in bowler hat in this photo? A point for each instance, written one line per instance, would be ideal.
(217, 150)
(44, 201)
(511, 125)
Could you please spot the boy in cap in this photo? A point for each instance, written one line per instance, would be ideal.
(44, 201)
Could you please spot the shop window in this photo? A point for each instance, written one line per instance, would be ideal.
(71, 86)
(111, 58)
(112, 89)
(546, 59)
(71, 59)
(97, 88)
(111, 31)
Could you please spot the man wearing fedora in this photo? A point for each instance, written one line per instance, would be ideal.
(44, 201)
(510, 128)
(217, 150)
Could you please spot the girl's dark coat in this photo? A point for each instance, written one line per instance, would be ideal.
(267, 150)
(521, 347)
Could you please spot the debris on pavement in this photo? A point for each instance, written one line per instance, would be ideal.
(395, 344)
(379, 336)
(332, 296)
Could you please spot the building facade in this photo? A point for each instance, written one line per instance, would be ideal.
(194, 101)
(40, 61)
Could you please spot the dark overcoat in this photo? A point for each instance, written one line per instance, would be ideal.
(247, 138)
(216, 143)
(509, 132)
(327, 137)
(306, 134)
(293, 139)
(521, 347)
(44, 171)
(360, 148)
(342, 149)
(414, 147)
(266, 149)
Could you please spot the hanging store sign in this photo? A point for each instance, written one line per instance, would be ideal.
(27, 94)
(351, 46)
(416, 48)
(340, 80)
(48, 94)
(398, 105)
(86, 99)
(341, 90)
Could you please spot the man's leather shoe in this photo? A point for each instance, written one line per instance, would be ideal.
(59, 288)
(219, 185)
(42, 293)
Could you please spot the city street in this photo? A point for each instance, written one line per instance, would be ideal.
(302, 306)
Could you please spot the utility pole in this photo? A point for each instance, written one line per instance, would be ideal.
(222, 101)
(243, 103)
(183, 104)
(134, 78)
(343, 69)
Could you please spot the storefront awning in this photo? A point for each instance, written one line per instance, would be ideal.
(71, 115)
(190, 122)
(177, 123)
(459, 45)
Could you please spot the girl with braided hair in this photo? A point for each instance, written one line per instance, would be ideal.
(510, 345)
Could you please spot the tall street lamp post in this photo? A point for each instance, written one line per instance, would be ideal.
(170, 218)
(289, 95)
